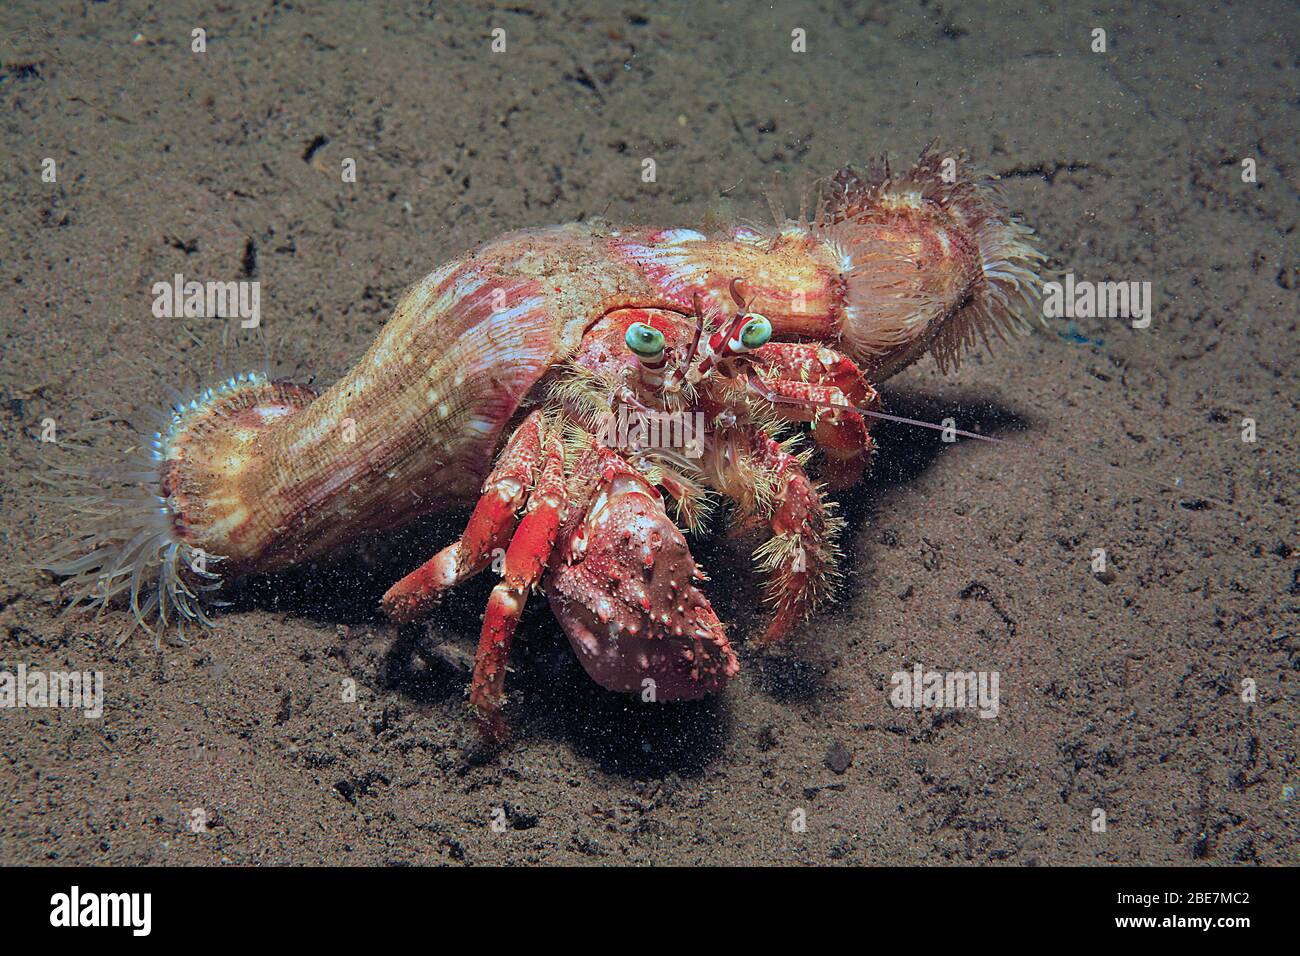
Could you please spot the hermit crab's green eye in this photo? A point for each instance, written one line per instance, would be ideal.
(756, 332)
(644, 340)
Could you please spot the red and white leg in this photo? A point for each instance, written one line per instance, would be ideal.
(489, 528)
(811, 383)
(531, 450)
(526, 559)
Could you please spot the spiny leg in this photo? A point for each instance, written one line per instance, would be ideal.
(812, 383)
(489, 528)
(526, 559)
(769, 484)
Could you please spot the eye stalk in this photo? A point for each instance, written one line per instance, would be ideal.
(745, 332)
(644, 341)
(647, 344)
(755, 332)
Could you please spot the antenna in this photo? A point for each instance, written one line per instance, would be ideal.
(1075, 457)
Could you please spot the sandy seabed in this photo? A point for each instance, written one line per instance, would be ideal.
(1120, 693)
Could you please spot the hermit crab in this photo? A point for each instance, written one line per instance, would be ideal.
(594, 391)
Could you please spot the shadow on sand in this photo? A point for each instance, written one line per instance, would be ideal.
(550, 695)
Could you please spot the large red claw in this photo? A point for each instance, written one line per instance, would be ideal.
(624, 593)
